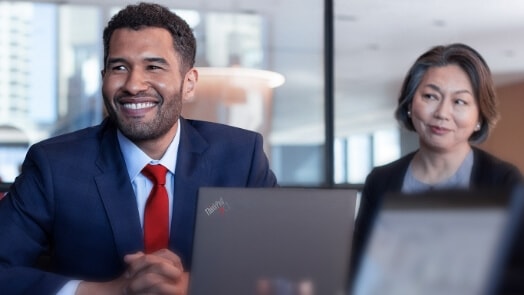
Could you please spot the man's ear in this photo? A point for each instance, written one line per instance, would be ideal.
(190, 81)
(103, 73)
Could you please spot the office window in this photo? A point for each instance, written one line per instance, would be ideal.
(386, 146)
(359, 157)
(357, 154)
(28, 68)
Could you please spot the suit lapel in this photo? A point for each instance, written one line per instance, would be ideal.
(118, 196)
(192, 171)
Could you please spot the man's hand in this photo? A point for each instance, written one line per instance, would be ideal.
(157, 273)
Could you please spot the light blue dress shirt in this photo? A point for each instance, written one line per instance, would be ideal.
(136, 160)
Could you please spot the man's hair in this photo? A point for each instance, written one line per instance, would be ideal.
(144, 15)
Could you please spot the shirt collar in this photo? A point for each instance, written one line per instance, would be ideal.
(136, 159)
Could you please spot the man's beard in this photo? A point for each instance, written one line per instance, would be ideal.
(168, 112)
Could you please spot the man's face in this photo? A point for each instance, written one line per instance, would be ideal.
(143, 87)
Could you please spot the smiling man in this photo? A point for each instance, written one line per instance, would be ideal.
(86, 199)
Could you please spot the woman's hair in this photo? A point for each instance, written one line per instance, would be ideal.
(144, 15)
(472, 63)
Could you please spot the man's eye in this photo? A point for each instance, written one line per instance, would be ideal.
(119, 68)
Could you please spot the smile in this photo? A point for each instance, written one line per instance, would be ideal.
(439, 130)
(138, 106)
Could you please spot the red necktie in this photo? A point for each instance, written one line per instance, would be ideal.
(156, 217)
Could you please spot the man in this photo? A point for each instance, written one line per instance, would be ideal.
(83, 197)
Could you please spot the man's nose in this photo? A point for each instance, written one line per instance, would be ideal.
(136, 81)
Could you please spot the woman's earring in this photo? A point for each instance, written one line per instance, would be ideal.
(477, 128)
(409, 114)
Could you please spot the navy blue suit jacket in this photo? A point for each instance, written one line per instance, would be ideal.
(74, 198)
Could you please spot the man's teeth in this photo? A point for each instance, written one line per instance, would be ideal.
(140, 105)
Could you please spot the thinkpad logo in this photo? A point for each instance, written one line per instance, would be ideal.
(221, 206)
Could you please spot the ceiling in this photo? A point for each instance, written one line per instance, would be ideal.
(375, 43)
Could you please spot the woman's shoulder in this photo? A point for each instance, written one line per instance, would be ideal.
(489, 169)
(389, 175)
(486, 159)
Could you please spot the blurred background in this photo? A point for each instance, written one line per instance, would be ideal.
(319, 79)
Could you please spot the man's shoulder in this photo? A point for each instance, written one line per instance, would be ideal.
(213, 129)
(78, 137)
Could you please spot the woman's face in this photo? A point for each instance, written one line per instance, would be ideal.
(444, 110)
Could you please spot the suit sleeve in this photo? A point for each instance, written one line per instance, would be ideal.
(260, 174)
(25, 224)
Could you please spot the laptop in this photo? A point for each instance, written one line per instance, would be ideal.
(453, 242)
(278, 241)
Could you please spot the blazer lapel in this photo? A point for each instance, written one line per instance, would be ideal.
(118, 196)
(192, 172)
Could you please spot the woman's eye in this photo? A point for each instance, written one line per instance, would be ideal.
(460, 102)
(428, 96)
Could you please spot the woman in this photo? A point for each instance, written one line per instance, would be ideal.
(448, 99)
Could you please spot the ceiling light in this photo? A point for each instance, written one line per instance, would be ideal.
(243, 75)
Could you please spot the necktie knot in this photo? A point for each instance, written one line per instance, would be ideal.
(155, 173)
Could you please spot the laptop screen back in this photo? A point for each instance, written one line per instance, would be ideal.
(452, 242)
(272, 241)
